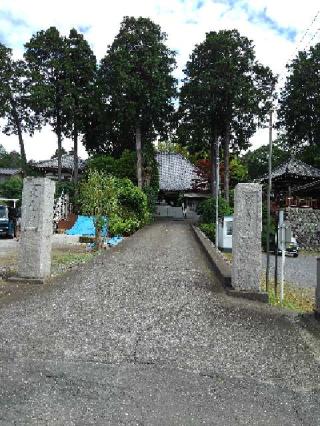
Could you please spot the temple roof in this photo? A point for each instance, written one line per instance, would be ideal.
(294, 167)
(67, 163)
(176, 173)
(8, 171)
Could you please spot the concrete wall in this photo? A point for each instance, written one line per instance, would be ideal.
(305, 225)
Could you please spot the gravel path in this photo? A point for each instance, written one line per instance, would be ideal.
(300, 271)
(143, 335)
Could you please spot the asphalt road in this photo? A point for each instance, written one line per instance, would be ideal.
(300, 271)
(143, 335)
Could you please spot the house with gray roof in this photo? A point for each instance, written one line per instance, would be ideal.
(50, 167)
(177, 176)
(8, 172)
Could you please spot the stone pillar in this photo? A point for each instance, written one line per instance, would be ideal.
(246, 238)
(34, 258)
(318, 289)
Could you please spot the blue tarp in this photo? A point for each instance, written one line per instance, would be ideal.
(114, 241)
(84, 226)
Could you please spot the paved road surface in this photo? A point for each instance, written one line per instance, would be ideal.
(300, 271)
(144, 336)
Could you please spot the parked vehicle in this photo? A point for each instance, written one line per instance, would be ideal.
(7, 221)
(292, 247)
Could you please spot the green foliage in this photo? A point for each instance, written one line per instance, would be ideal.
(173, 147)
(225, 88)
(10, 159)
(98, 198)
(257, 161)
(207, 210)
(14, 100)
(151, 176)
(135, 77)
(12, 188)
(132, 200)
(238, 171)
(299, 112)
(123, 226)
(119, 200)
(209, 229)
(123, 167)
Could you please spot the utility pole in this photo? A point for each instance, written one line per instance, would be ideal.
(268, 201)
(217, 191)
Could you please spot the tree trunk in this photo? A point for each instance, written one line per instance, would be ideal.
(213, 155)
(75, 155)
(59, 135)
(226, 151)
(20, 137)
(139, 156)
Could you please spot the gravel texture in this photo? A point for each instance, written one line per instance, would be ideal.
(300, 271)
(142, 335)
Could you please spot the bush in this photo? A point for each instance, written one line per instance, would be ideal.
(121, 226)
(207, 210)
(209, 229)
(131, 199)
(124, 204)
(12, 188)
(123, 167)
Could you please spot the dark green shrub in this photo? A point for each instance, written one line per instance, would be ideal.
(209, 229)
(132, 200)
(122, 226)
(207, 210)
(12, 188)
(123, 167)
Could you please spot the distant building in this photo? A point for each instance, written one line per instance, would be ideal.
(8, 172)
(295, 184)
(50, 167)
(177, 176)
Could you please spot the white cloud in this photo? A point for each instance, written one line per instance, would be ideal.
(180, 19)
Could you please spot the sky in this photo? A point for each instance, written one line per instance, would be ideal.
(278, 28)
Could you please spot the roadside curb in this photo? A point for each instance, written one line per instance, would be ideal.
(222, 269)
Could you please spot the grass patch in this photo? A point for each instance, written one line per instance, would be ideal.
(227, 255)
(295, 298)
(70, 258)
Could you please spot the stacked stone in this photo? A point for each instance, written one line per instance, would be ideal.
(305, 225)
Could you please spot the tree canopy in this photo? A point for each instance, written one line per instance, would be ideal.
(14, 100)
(46, 57)
(299, 112)
(137, 84)
(226, 93)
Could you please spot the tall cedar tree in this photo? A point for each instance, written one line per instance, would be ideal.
(47, 59)
(14, 101)
(81, 77)
(299, 112)
(137, 83)
(225, 94)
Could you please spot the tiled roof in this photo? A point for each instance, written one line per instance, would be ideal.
(294, 167)
(176, 173)
(66, 161)
(9, 172)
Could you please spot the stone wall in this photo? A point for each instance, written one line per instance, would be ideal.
(305, 225)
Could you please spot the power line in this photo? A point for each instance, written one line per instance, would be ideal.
(298, 47)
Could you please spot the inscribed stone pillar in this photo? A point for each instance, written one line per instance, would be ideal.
(318, 289)
(34, 259)
(246, 238)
